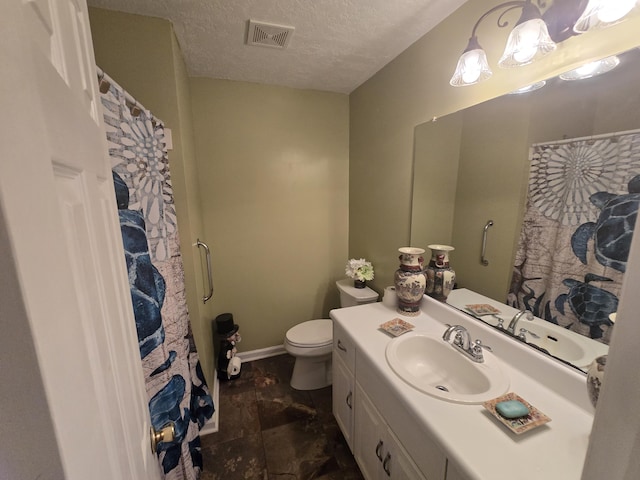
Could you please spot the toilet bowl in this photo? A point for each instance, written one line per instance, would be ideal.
(311, 342)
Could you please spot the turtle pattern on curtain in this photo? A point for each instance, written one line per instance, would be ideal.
(175, 384)
(579, 218)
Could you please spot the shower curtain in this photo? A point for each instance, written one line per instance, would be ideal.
(175, 384)
(581, 210)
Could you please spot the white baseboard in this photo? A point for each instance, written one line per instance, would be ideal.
(213, 424)
(262, 353)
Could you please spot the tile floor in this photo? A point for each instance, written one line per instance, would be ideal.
(269, 431)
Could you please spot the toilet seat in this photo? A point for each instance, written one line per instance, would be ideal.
(311, 334)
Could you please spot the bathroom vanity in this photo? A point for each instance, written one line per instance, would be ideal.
(397, 431)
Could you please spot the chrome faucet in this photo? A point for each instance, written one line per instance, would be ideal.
(462, 341)
(514, 321)
(462, 338)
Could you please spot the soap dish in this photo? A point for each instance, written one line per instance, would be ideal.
(396, 327)
(481, 309)
(517, 425)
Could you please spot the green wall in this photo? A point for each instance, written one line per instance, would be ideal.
(274, 167)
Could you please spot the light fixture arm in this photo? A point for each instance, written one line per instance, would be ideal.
(509, 7)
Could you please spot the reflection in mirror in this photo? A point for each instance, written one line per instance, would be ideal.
(474, 166)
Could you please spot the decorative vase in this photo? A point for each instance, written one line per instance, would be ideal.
(410, 281)
(595, 375)
(440, 276)
(359, 283)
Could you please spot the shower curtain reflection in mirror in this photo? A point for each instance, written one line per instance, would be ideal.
(579, 218)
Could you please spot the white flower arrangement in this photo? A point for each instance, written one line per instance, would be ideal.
(359, 269)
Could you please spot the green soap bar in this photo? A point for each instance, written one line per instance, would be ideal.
(512, 409)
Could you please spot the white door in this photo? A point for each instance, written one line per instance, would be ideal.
(60, 235)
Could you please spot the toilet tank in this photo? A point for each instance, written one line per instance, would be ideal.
(351, 296)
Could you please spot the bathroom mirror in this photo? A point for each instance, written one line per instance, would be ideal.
(472, 167)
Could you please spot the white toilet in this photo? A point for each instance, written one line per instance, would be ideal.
(311, 342)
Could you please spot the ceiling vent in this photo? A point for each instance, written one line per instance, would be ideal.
(269, 35)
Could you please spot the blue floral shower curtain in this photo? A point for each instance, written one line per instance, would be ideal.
(576, 234)
(175, 384)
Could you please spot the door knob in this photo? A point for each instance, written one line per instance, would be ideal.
(167, 434)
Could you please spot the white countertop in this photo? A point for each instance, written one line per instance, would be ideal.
(480, 446)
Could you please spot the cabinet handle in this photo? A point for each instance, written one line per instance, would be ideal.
(379, 450)
(348, 400)
(341, 347)
(386, 464)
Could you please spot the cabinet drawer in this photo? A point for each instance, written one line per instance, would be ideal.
(343, 347)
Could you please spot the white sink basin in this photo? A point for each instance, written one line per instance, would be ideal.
(571, 347)
(433, 366)
(557, 341)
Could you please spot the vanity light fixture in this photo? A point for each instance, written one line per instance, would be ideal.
(602, 13)
(592, 69)
(535, 34)
(528, 41)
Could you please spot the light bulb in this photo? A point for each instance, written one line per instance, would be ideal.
(587, 69)
(592, 69)
(472, 68)
(527, 43)
(529, 88)
(603, 13)
(614, 10)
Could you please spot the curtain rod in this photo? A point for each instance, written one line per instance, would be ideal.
(582, 139)
(105, 81)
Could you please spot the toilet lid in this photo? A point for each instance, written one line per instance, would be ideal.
(312, 333)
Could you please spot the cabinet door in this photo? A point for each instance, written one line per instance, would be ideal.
(343, 398)
(377, 450)
(453, 473)
(370, 448)
(400, 466)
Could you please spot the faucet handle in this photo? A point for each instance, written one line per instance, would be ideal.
(476, 350)
(478, 346)
(523, 334)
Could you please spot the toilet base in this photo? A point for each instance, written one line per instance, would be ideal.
(311, 373)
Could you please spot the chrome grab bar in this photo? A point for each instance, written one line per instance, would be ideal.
(483, 259)
(206, 298)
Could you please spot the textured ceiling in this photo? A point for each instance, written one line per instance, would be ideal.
(336, 46)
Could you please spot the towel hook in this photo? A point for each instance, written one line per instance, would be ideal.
(483, 260)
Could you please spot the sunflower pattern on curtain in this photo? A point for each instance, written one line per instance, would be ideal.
(579, 219)
(175, 383)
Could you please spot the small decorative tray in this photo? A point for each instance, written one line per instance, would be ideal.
(517, 425)
(482, 309)
(396, 327)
